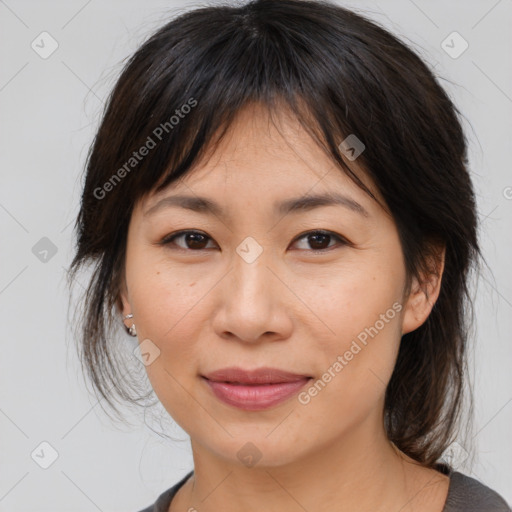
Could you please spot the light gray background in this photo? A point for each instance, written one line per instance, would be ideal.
(50, 109)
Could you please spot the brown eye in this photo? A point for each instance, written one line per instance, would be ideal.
(192, 240)
(320, 240)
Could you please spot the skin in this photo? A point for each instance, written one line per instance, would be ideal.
(292, 309)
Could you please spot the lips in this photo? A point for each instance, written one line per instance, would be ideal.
(254, 390)
(259, 376)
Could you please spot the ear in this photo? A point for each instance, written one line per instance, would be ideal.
(424, 292)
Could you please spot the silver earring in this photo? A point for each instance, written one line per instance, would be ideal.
(132, 331)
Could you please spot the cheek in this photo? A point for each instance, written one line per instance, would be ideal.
(351, 383)
(167, 307)
(347, 302)
(360, 313)
(165, 297)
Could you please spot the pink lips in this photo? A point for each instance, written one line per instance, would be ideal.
(254, 390)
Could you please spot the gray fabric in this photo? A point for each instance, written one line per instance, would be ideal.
(164, 500)
(469, 495)
(465, 494)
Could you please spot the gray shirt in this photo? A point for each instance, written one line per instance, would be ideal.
(465, 494)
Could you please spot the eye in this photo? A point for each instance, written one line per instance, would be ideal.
(193, 240)
(319, 240)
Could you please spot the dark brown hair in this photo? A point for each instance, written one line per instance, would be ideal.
(340, 74)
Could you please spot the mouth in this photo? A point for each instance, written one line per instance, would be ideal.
(254, 390)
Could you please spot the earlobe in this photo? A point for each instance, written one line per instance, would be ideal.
(415, 311)
(124, 308)
(423, 295)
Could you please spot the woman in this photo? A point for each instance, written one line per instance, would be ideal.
(278, 206)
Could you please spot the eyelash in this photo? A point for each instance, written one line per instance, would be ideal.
(169, 239)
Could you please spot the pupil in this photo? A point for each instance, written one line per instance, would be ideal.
(314, 245)
(195, 239)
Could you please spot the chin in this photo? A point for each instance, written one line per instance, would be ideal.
(258, 451)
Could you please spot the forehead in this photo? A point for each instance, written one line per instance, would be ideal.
(266, 153)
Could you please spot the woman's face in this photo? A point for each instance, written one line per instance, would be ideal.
(258, 286)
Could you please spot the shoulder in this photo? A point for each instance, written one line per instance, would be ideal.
(467, 494)
(164, 500)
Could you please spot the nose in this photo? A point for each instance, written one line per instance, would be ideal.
(254, 303)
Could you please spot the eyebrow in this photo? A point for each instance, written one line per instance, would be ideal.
(295, 205)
